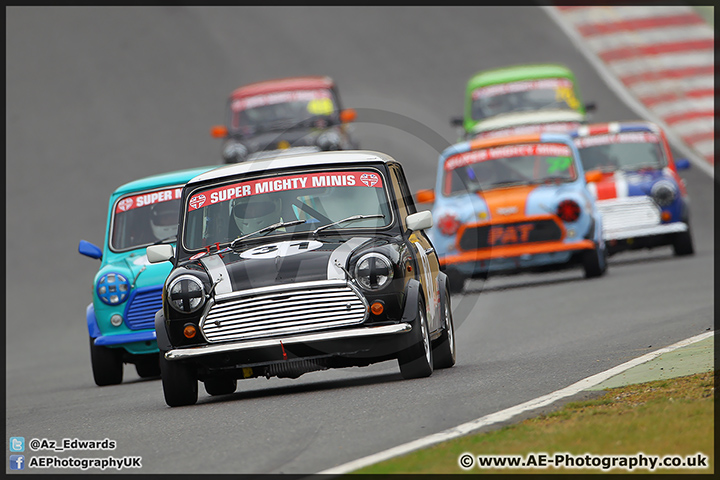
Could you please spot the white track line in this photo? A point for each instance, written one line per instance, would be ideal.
(507, 414)
(622, 92)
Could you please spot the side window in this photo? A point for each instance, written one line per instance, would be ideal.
(404, 195)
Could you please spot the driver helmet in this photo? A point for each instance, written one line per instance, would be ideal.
(253, 213)
(164, 219)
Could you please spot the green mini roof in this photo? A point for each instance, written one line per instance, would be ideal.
(517, 73)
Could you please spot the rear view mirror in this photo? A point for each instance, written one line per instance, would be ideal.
(89, 250)
(159, 253)
(425, 196)
(456, 121)
(348, 115)
(682, 163)
(593, 176)
(590, 107)
(419, 221)
(219, 131)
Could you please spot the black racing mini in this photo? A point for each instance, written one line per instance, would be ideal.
(296, 264)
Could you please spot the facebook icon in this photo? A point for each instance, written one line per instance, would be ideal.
(17, 462)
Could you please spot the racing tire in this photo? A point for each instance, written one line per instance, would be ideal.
(417, 361)
(148, 367)
(683, 244)
(455, 281)
(595, 262)
(107, 364)
(444, 354)
(180, 386)
(220, 386)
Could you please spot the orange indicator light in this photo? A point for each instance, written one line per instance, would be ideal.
(189, 331)
(377, 308)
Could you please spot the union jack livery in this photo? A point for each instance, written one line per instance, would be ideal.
(514, 204)
(643, 201)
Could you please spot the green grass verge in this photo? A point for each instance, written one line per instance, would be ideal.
(665, 417)
(707, 12)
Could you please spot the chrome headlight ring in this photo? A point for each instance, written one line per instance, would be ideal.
(186, 294)
(374, 271)
(113, 288)
(664, 193)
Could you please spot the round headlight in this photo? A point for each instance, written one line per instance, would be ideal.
(186, 294)
(663, 192)
(113, 288)
(374, 271)
(329, 140)
(235, 152)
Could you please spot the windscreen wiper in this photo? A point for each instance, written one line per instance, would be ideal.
(348, 219)
(269, 228)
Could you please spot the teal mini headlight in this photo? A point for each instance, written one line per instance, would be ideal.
(113, 288)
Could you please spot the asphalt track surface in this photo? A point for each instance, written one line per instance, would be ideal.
(98, 96)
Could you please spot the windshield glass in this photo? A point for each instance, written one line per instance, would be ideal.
(527, 95)
(281, 110)
(222, 213)
(143, 219)
(508, 165)
(625, 151)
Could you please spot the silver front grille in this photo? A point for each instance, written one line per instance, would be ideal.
(631, 212)
(270, 311)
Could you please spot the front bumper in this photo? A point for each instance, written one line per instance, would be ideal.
(644, 231)
(352, 335)
(515, 257)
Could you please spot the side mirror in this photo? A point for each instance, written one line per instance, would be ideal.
(89, 250)
(590, 107)
(456, 121)
(425, 196)
(159, 253)
(682, 163)
(593, 176)
(218, 131)
(419, 221)
(348, 115)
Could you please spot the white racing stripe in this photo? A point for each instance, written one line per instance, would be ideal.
(217, 271)
(651, 36)
(507, 414)
(705, 147)
(694, 126)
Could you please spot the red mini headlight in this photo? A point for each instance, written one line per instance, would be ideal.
(448, 224)
(568, 210)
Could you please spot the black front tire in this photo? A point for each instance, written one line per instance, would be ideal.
(444, 354)
(107, 364)
(180, 385)
(148, 367)
(455, 281)
(417, 361)
(595, 262)
(220, 386)
(683, 244)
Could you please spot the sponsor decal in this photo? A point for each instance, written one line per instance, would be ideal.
(369, 179)
(522, 86)
(282, 97)
(507, 151)
(145, 199)
(282, 249)
(198, 255)
(626, 137)
(279, 184)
